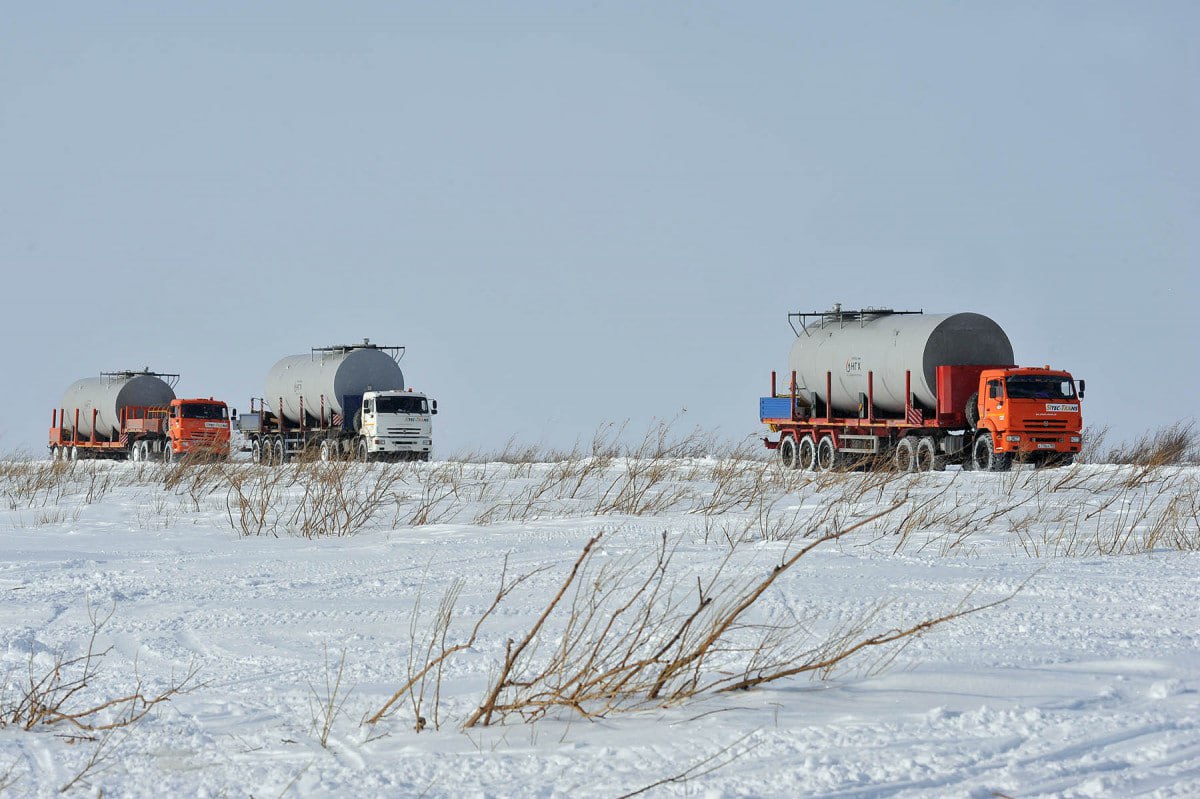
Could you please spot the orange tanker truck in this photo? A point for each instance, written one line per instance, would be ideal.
(916, 392)
(136, 416)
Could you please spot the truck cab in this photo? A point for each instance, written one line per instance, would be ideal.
(397, 424)
(198, 427)
(1027, 413)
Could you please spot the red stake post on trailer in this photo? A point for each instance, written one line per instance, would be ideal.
(907, 396)
(792, 413)
(828, 396)
(871, 397)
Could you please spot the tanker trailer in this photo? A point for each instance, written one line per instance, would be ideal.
(911, 391)
(336, 402)
(135, 415)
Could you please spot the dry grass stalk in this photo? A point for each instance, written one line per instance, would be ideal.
(624, 645)
(327, 704)
(55, 695)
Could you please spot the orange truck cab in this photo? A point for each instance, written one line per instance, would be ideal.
(198, 427)
(1027, 413)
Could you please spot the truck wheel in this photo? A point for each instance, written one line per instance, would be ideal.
(927, 456)
(807, 454)
(326, 451)
(135, 452)
(827, 454)
(905, 457)
(256, 451)
(787, 452)
(972, 410)
(361, 451)
(168, 455)
(278, 451)
(986, 459)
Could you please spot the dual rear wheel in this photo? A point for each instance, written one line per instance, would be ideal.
(808, 454)
(918, 454)
(268, 451)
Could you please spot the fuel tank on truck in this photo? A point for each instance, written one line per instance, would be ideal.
(109, 394)
(327, 375)
(849, 344)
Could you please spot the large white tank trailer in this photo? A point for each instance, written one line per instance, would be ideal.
(346, 401)
(914, 391)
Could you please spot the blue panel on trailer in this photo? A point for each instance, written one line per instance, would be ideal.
(774, 408)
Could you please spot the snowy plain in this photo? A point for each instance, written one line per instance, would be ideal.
(1083, 682)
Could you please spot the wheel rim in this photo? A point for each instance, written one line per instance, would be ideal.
(807, 454)
(925, 455)
(326, 452)
(905, 457)
(278, 451)
(983, 453)
(826, 455)
(787, 453)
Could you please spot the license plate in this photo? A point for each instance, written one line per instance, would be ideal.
(1045, 446)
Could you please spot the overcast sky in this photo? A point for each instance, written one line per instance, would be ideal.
(578, 213)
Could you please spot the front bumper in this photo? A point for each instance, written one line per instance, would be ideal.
(1029, 441)
(386, 444)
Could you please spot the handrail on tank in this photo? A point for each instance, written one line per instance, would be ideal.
(396, 352)
(836, 314)
(169, 378)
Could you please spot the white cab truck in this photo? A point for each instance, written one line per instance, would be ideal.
(339, 402)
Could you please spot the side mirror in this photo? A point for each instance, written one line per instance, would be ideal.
(433, 407)
(1082, 388)
(233, 414)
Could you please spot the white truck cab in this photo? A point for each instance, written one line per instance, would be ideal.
(398, 424)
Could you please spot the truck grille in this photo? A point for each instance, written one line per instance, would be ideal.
(404, 431)
(1052, 424)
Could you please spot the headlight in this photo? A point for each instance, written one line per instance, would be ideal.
(1012, 438)
(1075, 439)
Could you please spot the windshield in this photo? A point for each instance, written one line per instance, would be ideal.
(202, 410)
(401, 405)
(1049, 387)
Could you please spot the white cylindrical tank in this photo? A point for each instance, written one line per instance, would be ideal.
(327, 375)
(109, 394)
(851, 344)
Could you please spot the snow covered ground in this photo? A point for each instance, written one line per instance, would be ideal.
(1085, 683)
